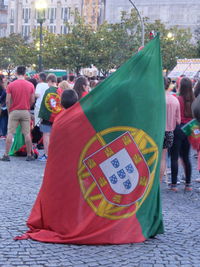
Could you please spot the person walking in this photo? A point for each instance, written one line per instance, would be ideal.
(19, 99)
(181, 145)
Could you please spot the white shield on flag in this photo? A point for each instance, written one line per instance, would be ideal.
(121, 172)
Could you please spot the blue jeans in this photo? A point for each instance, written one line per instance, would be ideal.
(3, 125)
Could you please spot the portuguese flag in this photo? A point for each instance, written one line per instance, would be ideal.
(192, 130)
(101, 183)
(50, 106)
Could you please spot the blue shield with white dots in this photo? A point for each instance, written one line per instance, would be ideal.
(121, 172)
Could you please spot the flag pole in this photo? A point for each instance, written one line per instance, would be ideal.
(141, 21)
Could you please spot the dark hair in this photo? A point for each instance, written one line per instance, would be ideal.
(52, 77)
(78, 86)
(43, 76)
(71, 78)
(68, 98)
(1, 77)
(59, 79)
(166, 83)
(197, 89)
(188, 96)
(33, 81)
(64, 77)
(21, 70)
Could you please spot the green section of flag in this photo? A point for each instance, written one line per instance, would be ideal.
(18, 141)
(50, 105)
(134, 97)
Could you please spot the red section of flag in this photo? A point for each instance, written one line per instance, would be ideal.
(61, 213)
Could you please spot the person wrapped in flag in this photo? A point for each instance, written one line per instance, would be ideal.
(101, 182)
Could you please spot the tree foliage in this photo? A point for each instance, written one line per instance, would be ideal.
(109, 46)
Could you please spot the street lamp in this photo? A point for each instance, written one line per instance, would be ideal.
(170, 36)
(40, 6)
(141, 21)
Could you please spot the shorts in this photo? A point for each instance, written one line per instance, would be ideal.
(21, 117)
(45, 128)
(168, 139)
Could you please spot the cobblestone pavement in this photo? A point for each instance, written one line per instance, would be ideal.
(178, 246)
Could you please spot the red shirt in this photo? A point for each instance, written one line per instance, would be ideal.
(21, 91)
(182, 106)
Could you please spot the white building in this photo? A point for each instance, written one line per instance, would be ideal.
(183, 13)
(22, 16)
(3, 18)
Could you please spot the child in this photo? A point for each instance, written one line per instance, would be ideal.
(68, 98)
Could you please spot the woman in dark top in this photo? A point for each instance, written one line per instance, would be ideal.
(181, 145)
(81, 86)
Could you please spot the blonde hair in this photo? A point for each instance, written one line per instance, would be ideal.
(64, 85)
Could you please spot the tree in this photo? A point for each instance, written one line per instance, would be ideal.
(78, 46)
(115, 43)
(15, 51)
(175, 43)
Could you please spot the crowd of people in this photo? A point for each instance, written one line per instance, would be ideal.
(179, 112)
(44, 97)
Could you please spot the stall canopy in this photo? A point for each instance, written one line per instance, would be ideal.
(187, 67)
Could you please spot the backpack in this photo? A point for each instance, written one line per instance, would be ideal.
(196, 108)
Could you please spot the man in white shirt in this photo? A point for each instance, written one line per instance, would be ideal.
(42, 86)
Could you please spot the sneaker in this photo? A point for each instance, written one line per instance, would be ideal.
(2, 137)
(195, 155)
(5, 158)
(29, 158)
(173, 187)
(43, 158)
(197, 180)
(188, 187)
(168, 171)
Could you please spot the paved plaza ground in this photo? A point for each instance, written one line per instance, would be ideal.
(178, 246)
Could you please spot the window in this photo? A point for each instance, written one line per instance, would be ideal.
(11, 29)
(65, 14)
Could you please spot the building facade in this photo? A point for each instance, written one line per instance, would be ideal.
(3, 18)
(93, 12)
(183, 13)
(23, 16)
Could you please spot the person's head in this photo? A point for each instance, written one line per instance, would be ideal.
(71, 77)
(64, 85)
(64, 77)
(68, 98)
(166, 83)
(52, 79)
(2, 79)
(187, 94)
(197, 89)
(21, 71)
(33, 81)
(81, 85)
(42, 77)
(59, 80)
